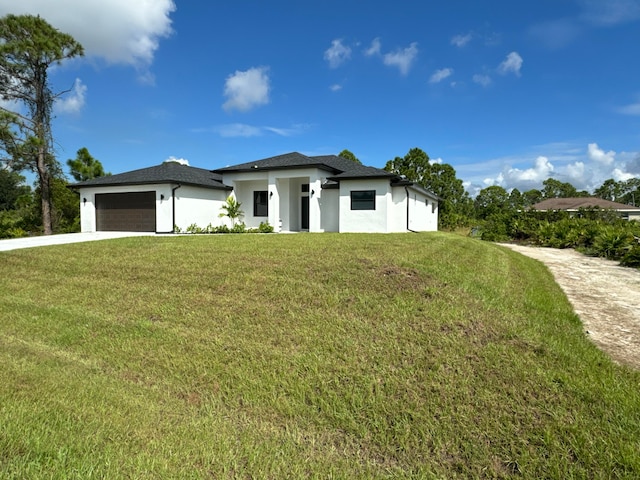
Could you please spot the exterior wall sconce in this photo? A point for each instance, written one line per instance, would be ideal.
(161, 196)
(313, 192)
(270, 194)
(84, 201)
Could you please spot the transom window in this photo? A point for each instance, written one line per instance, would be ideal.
(261, 203)
(363, 200)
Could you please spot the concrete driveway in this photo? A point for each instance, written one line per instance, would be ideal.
(45, 240)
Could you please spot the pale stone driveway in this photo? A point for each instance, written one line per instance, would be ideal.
(605, 296)
(45, 240)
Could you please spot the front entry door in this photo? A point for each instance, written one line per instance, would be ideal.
(304, 211)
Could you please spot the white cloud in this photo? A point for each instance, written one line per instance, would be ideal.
(540, 171)
(335, 87)
(181, 161)
(238, 130)
(120, 31)
(631, 109)
(374, 49)
(440, 75)
(243, 130)
(481, 79)
(246, 90)
(607, 13)
(511, 64)
(286, 132)
(74, 101)
(576, 172)
(402, 58)
(584, 168)
(337, 54)
(556, 33)
(632, 163)
(11, 105)
(596, 154)
(620, 175)
(461, 40)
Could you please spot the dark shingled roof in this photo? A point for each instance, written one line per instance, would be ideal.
(581, 202)
(341, 168)
(167, 172)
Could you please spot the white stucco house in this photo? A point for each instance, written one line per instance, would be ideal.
(292, 192)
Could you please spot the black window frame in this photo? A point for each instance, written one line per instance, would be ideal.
(363, 203)
(261, 203)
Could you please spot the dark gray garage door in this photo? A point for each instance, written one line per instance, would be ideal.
(126, 212)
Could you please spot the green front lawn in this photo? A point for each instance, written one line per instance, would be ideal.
(302, 356)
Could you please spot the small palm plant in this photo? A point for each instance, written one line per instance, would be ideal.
(232, 210)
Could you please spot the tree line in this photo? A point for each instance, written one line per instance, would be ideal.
(29, 48)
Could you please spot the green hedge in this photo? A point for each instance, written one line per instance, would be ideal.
(595, 232)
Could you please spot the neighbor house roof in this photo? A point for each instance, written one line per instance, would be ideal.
(167, 172)
(582, 202)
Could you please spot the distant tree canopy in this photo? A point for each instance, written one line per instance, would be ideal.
(349, 156)
(12, 189)
(85, 167)
(553, 188)
(627, 191)
(492, 200)
(455, 206)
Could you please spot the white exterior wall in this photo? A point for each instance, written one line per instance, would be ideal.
(330, 210)
(365, 221)
(423, 212)
(193, 205)
(398, 213)
(244, 194)
(284, 204)
(634, 216)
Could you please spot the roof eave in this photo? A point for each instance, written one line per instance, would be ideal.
(322, 166)
(76, 186)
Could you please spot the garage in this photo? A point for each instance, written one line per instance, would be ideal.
(126, 212)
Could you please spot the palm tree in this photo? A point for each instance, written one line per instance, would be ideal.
(232, 210)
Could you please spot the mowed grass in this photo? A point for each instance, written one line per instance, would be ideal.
(302, 356)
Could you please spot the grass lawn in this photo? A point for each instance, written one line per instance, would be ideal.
(302, 356)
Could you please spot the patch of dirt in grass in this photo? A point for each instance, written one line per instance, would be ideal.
(605, 296)
(404, 279)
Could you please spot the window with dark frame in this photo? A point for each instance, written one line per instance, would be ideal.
(363, 200)
(261, 203)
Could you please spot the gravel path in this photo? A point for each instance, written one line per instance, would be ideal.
(605, 296)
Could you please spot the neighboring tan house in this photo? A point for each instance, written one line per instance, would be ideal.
(573, 205)
(291, 192)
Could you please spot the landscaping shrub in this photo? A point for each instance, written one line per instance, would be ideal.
(594, 232)
(265, 228)
(613, 242)
(632, 257)
(237, 228)
(11, 225)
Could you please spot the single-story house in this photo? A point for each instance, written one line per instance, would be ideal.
(573, 205)
(292, 192)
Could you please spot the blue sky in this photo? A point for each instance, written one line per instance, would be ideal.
(509, 93)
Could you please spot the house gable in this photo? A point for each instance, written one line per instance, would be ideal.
(575, 204)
